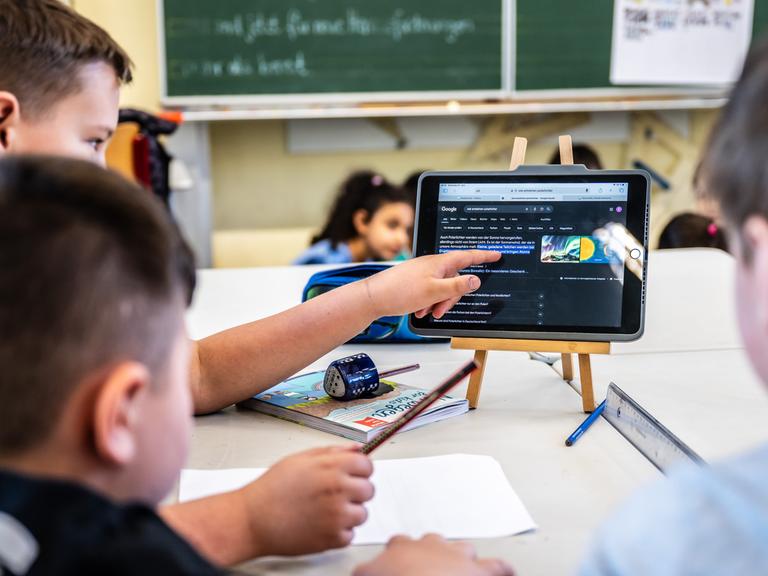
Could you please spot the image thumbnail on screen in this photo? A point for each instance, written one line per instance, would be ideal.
(576, 250)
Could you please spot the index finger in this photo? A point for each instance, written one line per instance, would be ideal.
(461, 259)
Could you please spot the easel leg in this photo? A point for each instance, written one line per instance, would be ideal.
(567, 367)
(518, 153)
(585, 377)
(476, 379)
(566, 150)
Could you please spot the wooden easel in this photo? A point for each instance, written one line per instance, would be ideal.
(481, 346)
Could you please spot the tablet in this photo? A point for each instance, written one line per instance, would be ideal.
(574, 246)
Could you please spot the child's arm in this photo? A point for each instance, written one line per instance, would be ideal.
(238, 363)
(431, 556)
(306, 503)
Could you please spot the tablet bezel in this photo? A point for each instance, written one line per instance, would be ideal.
(633, 298)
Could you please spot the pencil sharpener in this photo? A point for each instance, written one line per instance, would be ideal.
(351, 378)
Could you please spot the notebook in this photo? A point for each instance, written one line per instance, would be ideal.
(301, 399)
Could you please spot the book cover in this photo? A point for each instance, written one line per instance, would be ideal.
(301, 399)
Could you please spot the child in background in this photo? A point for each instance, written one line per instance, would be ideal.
(582, 154)
(370, 220)
(689, 230)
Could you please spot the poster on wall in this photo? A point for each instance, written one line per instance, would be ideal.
(676, 42)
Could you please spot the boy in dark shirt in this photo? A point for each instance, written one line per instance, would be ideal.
(54, 527)
(94, 394)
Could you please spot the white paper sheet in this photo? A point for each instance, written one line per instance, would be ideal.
(680, 41)
(195, 484)
(459, 496)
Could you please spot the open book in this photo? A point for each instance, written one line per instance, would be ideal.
(301, 399)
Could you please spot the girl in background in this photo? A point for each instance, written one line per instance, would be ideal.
(371, 220)
(689, 230)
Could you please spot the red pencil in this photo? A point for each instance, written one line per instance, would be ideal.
(420, 406)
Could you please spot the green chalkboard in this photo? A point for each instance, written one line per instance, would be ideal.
(252, 48)
(563, 45)
(566, 44)
(760, 21)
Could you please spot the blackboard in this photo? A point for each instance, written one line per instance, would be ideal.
(219, 50)
(566, 44)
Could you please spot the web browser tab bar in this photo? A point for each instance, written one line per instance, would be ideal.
(534, 192)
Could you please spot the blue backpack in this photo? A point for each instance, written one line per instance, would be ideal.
(388, 329)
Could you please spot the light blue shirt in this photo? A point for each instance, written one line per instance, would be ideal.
(711, 520)
(323, 253)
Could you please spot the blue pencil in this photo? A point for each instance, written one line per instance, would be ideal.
(584, 426)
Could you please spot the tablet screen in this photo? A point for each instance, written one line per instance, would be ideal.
(557, 273)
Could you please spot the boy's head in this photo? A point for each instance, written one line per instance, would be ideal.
(734, 173)
(60, 78)
(94, 283)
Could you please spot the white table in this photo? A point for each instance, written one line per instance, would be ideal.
(525, 411)
(690, 303)
(690, 369)
(712, 400)
(525, 416)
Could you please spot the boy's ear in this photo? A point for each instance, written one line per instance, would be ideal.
(360, 221)
(754, 241)
(10, 116)
(754, 255)
(116, 412)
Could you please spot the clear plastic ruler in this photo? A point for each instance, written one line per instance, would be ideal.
(651, 438)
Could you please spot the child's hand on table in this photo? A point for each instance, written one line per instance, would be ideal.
(309, 502)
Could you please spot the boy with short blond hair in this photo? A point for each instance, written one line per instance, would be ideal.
(60, 78)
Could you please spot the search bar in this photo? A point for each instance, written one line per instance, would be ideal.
(511, 209)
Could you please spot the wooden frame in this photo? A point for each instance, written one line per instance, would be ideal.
(482, 346)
